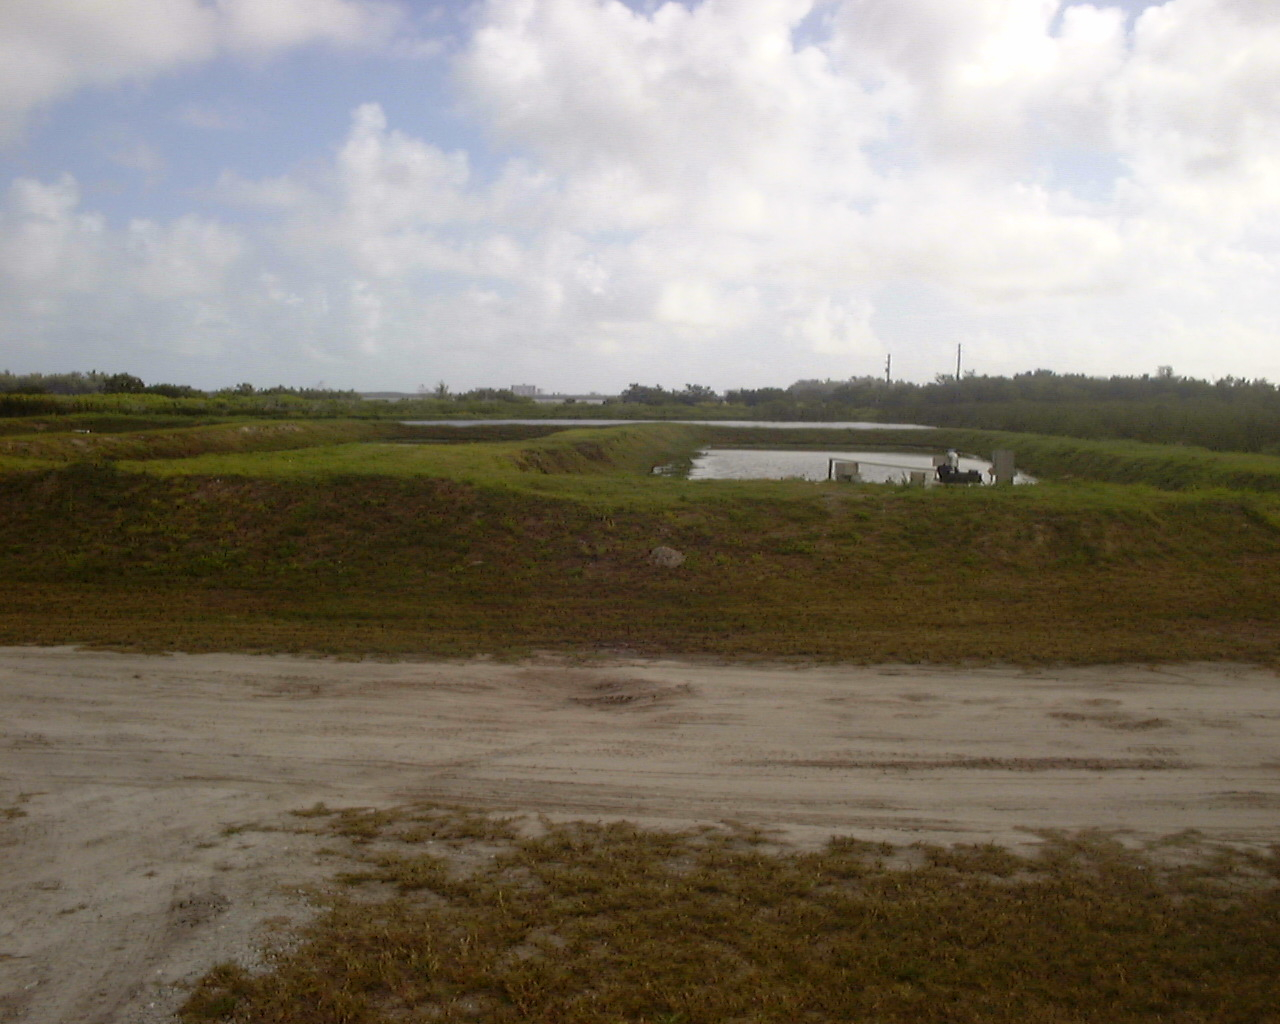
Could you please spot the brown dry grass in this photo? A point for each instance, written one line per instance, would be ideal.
(454, 916)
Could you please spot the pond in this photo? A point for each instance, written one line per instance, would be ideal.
(771, 424)
(873, 467)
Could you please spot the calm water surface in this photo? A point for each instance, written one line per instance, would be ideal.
(695, 423)
(756, 464)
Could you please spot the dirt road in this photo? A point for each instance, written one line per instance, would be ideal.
(125, 779)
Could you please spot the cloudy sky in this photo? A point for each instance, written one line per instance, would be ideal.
(580, 194)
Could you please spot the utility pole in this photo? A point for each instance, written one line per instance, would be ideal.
(888, 362)
(958, 348)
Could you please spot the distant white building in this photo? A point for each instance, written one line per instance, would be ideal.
(525, 390)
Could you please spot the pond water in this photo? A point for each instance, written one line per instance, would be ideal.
(773, 424)
(873, 467)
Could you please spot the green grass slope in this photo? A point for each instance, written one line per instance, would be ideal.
(510, 556)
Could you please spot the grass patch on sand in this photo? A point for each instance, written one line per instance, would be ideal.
(448, 915)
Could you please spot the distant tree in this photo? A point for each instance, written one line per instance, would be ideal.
(695, 394)
(75, 383)
(492, 395)
(645, 395)
(174, 390)
(24, 386)
(317, 393)
(755, 396)
(123, 384)
(813, 388)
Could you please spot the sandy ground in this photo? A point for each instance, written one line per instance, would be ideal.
(123, 778)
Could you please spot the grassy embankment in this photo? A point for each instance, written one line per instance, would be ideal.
(96, 439)
(329, 537)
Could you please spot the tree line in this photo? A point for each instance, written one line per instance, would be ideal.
(1229, 414)
(97, 383)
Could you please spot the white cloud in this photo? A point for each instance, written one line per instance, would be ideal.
(1197, 116)
(138, 155)
(987, 81)
(277, 24)
(367, 306)
(282, 192)
(646, 112)
(191, 256)
(689, 186)
(390, 180)
(44, 242)
(684, 189)
(212, 117)
(67, 278)
(51, 48)
(998, 245)
(49, 246)
(833, 327)
(736, 158)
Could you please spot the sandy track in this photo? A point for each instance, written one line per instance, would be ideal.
(124, 875)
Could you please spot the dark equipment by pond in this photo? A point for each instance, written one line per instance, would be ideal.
(949, 471)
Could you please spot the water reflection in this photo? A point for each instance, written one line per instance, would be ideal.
(873, 467)
(771, 424)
